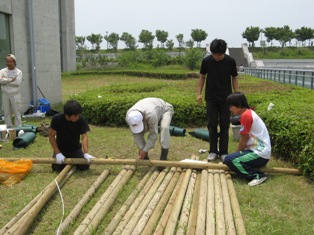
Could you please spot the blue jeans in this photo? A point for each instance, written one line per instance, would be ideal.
(245, 164)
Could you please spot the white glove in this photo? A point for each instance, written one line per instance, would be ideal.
(60, 158)
(88, 157)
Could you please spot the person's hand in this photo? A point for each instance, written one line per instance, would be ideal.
(142, 154)
(199, 99)
(60, 158)
(88, 157)
(13, 79)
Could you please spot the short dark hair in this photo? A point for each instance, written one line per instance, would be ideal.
(72, 107)
(238, 100)
(218, 46)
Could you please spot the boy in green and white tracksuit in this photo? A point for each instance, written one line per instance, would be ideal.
(254, 148)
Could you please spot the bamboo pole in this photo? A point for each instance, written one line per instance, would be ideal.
(166, 214)
(90, 216)
(172, 222)
(184, 218)
(194, 207)
(116, 220)
(139, 211)
(149, 227)
(137, 162)
(87, 196)
(127, 217)
(230, 228)
(32, 203)
(201, 215)
(21, 213)
(153, 203)
(235, 207)
(28, 218)
(210, 213)
(108, 203)
(220, 219)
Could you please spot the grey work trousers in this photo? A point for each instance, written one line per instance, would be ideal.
(12, 102)
(164, 129)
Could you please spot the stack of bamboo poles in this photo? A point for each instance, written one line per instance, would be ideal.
(180, 202)
(93, 219)
(24, 219)
(200, 199)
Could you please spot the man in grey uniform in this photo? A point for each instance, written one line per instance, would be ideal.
(144, 117)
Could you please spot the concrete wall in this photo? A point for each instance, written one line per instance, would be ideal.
(47, 38)
(47, 49)
(5, 6)
(68, 47)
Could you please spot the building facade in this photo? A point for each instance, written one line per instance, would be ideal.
(41, 34)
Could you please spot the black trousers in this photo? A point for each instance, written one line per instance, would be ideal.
(218, 113)
(73, 154)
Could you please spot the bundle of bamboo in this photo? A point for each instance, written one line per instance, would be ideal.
(24, 219)
(79, 206)
(182, 202)
(188, 198)
(94, 217)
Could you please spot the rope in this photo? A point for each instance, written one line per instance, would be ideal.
(58, 230)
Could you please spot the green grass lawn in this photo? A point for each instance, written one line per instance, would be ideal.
(284, 204)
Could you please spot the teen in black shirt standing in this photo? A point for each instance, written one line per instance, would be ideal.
(220, 72)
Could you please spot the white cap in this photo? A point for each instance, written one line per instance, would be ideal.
(12, 56)
(135, 121)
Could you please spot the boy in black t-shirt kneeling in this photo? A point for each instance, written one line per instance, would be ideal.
(64, 136)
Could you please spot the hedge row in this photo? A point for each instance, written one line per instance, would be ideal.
(108, 105)
(290, 122)
(147, 74)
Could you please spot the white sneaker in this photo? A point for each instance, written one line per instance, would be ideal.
(211, 156)
(223, 157)
(257, 181)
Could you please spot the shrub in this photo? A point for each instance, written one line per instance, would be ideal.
(290, 124)
(160, 58)
(108, 105)
(136, 73)
(193, 58)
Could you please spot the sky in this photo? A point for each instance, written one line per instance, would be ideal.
(225, 19)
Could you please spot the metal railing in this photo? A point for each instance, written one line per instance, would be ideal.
(298, 77)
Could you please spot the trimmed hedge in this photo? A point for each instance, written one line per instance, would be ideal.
(147, 74)
(290, 122)
(108, 105)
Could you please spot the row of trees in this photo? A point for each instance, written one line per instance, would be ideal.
(191, 59)
(281, 34)
(146, 38)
